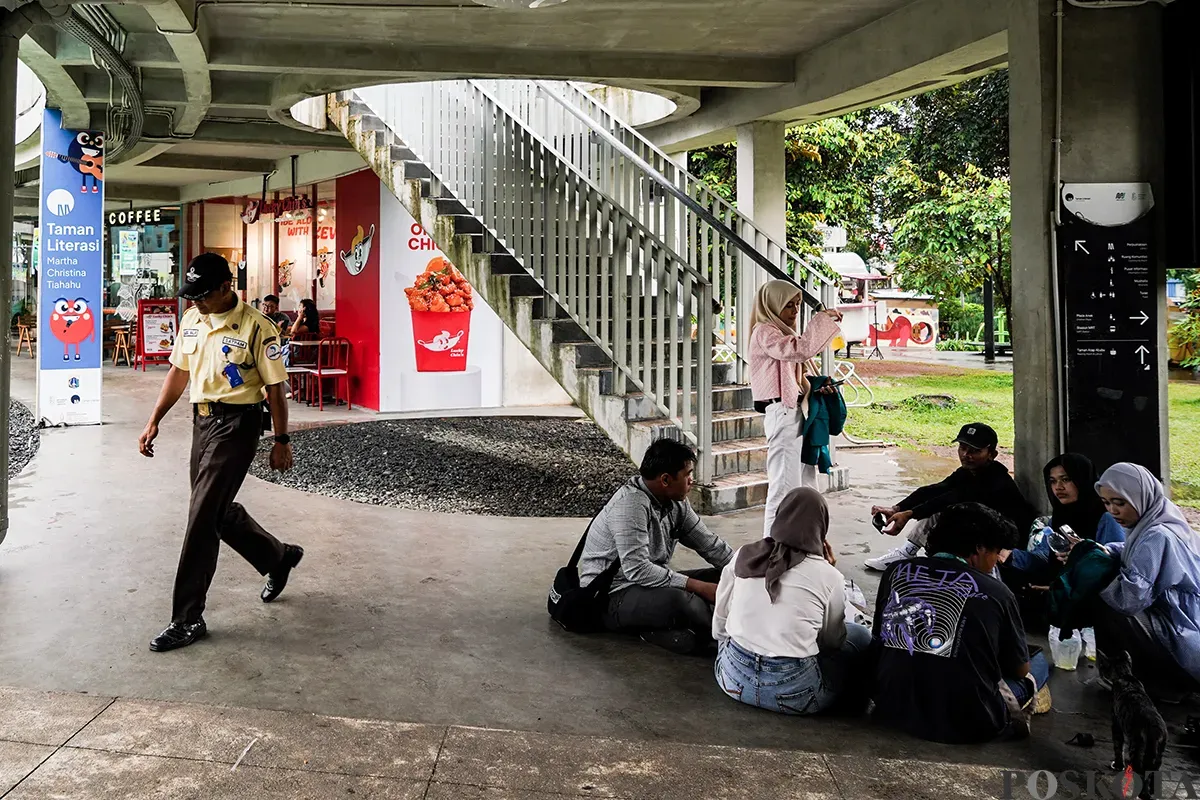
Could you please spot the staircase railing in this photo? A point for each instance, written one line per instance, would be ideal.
(724, 244)
(615, 276)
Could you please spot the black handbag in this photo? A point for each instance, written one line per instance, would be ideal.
(580, 609)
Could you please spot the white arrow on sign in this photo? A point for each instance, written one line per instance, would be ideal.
(1141, 351)
(1144, 318)
(1079, 246)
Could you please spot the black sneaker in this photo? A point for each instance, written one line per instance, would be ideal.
(277, 579)
(178, 635)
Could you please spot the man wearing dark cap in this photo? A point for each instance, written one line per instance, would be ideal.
(981, 479)
(229, 355)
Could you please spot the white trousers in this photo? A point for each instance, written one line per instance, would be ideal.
(784, 470)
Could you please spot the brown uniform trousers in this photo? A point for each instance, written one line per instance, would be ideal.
(223, 447)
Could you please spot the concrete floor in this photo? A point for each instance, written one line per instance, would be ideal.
(396, 615)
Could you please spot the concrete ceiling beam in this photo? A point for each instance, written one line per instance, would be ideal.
(61, 90)
(174, 20)
(256, 166)
(267, 133)
(378, 63)
(149, 50)
(926, 44)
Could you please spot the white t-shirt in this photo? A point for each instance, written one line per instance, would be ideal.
(809, 616)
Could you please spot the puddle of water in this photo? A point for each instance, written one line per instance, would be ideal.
(922, 469)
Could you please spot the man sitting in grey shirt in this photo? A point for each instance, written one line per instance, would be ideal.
(641, 525)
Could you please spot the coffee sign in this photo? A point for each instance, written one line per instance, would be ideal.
(142, 216)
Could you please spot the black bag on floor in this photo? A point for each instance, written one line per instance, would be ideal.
(580, 609)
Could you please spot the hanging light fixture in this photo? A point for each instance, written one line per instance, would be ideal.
(520, 5)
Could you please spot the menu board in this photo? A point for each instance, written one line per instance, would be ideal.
(157, 326)
(158, 334)
(1110, 304)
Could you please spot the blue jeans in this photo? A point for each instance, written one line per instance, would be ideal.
(1039, 668)
(790, 685)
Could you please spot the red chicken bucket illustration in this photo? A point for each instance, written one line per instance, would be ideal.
(440, 301)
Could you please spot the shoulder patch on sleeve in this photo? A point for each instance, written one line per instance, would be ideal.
(274, 351)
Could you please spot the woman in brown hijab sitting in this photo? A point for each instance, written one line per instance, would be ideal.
(780, 619)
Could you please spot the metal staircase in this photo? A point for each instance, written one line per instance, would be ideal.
(618, 269)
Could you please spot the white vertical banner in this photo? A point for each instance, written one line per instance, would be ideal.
(71, 275)
(441, 346)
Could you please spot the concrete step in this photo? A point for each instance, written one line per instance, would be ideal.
(730, 426)
(731, 493)
(749, 490)
(724, 398)
(739, 456)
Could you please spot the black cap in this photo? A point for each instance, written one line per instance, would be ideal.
(206, 273)
(978, 436)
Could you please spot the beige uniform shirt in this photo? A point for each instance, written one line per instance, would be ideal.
(242, 336)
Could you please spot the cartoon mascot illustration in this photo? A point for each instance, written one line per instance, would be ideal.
(86, 155)
(72, 323)
(360, 250)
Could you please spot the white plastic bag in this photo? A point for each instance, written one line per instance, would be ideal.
(856, 604)
(1065, 653)
(1089, 643)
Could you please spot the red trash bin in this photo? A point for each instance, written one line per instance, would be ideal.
(440, 340)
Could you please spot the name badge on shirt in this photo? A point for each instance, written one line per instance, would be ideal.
(232, 342)
(189, 333)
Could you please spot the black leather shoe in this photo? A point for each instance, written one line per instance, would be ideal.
(178, 635)
(278, 578)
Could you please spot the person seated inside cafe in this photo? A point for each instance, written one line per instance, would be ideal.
(979, 479)
(308, 321)
(270, 309)
(780, 621)
(952, 663)
(641, 525)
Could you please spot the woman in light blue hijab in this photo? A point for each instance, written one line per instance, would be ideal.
(1155, 599)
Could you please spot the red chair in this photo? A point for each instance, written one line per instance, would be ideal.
(302, 352)
(333, 362)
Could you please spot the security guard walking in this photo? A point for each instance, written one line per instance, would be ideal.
(230, 355)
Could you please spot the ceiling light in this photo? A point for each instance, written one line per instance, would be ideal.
(520, 5)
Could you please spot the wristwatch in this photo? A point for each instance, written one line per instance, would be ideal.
(283, 438)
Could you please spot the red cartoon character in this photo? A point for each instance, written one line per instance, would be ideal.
(72, 323)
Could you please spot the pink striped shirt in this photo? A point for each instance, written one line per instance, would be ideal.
(774, 354)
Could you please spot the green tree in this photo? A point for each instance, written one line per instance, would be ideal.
(952, 233)
(949, 128)
(835, 171)
(1185, 333)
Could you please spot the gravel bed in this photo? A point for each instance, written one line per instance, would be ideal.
(23, 439)
(501, 466)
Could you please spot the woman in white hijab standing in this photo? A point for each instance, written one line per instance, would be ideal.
(1155, 599)
(780, 390)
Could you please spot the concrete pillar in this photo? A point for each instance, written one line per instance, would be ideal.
(10, 36)
(1036, 380)
(762, 177)
(1111, 132)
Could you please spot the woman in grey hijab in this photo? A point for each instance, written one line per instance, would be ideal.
(1152, 608)
(780, 618)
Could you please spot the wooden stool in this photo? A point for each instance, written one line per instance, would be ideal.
(24, 337)
(121, 346)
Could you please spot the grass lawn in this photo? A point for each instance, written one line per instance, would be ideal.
(979, 396)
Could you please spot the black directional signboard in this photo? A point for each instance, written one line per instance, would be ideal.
(1109, 293)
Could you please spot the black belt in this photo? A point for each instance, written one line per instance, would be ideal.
(218, 409)
(761, 406)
